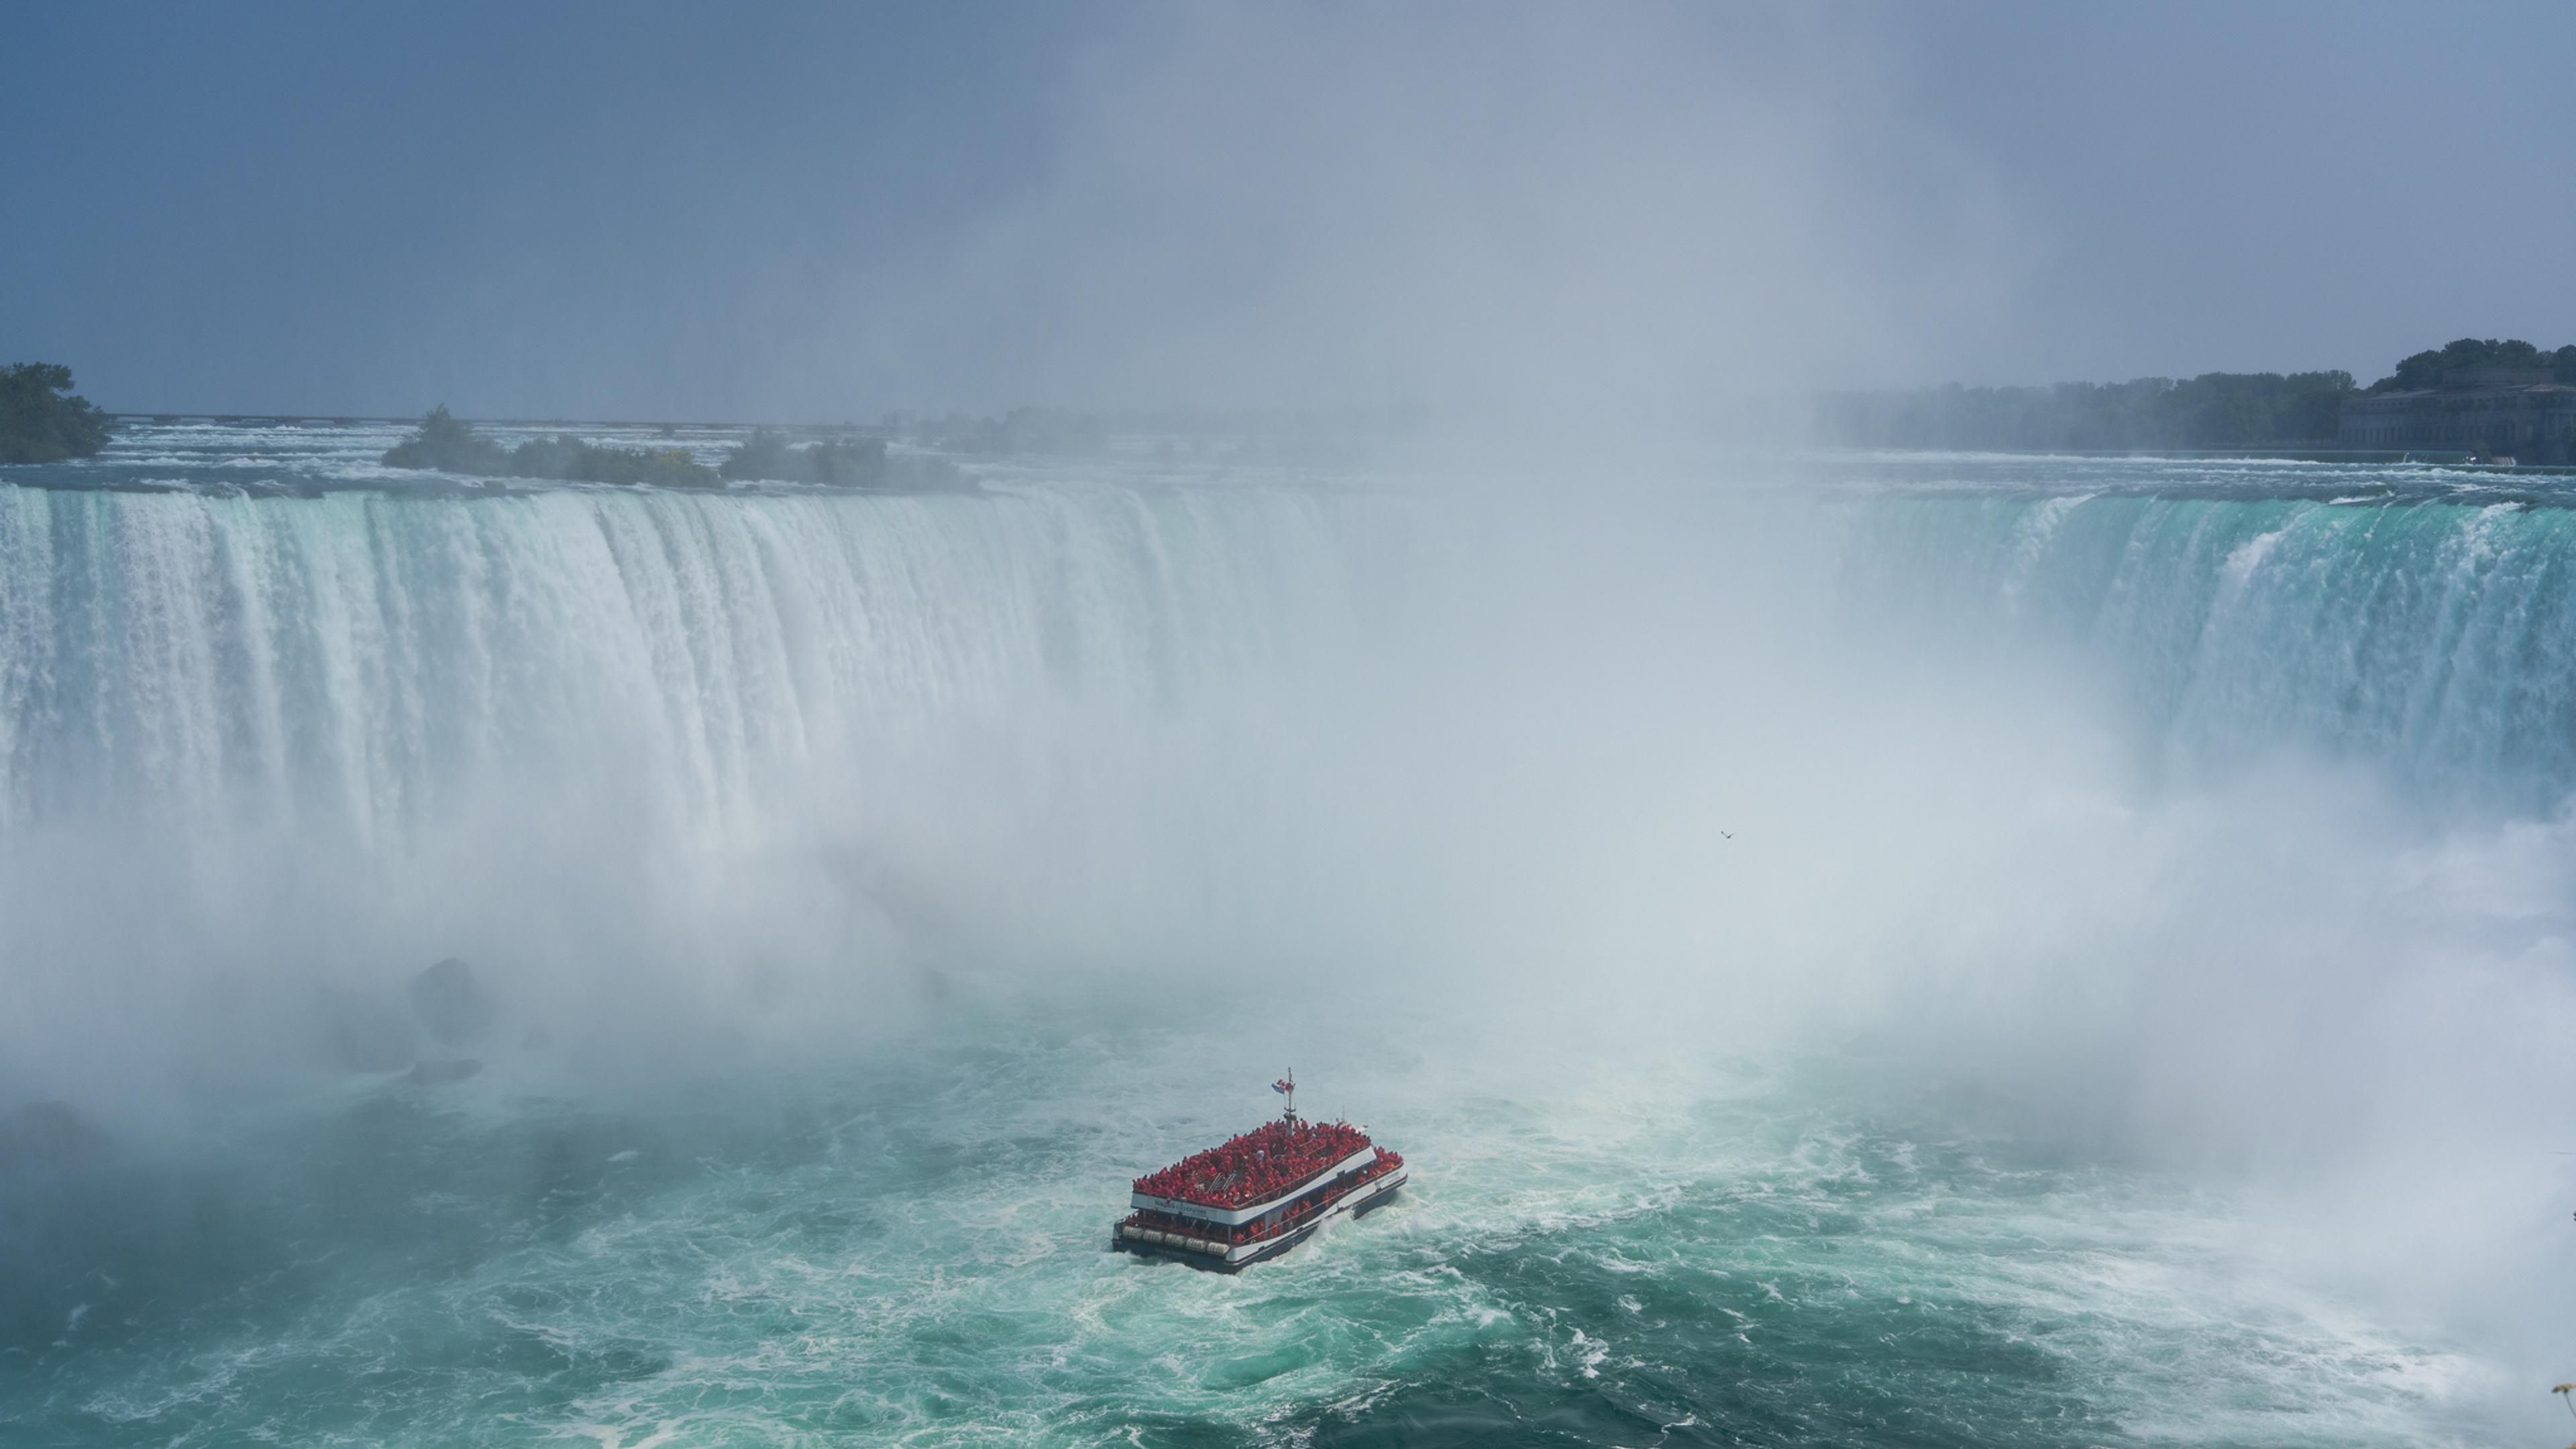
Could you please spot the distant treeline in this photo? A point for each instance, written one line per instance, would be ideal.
(447, 444)
(2431, 369)
(2213, 410)
(40, 421)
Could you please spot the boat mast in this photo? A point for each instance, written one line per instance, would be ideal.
(1288, 1085)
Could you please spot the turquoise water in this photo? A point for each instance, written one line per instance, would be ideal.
(921, 1261)
(870, 887)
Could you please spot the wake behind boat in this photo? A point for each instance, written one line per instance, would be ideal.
(1259, 1194)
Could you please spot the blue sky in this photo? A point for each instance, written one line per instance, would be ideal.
(825, 212)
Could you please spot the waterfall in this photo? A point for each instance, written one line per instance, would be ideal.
(2431, 640)
(360, 663)
(788, 748)
(257, 752)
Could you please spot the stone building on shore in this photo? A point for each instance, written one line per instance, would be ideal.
(2486, 412)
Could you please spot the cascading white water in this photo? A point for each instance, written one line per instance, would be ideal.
(802, 737)
(357, 664)
(2428, 637)
(661, 740)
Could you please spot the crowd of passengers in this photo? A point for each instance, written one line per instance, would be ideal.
(1259, 1227)
(1255, 1165)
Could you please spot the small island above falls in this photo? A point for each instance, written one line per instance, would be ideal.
(447, 444)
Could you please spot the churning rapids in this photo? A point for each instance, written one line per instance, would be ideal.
(1959, 951)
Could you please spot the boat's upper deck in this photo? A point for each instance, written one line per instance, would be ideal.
(1267, 1162)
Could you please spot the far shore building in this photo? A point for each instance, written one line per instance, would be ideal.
(2489, 412)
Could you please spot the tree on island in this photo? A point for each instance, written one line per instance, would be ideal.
(842, 463)
(41, 422)
(447, 444)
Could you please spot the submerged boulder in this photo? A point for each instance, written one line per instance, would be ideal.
(451, 1004)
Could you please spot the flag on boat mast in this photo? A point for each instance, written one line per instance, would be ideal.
(1287, 1087)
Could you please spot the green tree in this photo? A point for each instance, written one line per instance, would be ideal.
(41, 422)
(840, 463)
(764, 454)
(450, 445)
(2432, 369)
(575, 461)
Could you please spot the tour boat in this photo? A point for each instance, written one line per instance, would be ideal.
(1260, 1194)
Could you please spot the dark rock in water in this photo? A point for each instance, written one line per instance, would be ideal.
(50, 1134)
(431, 1074)
(364, 1034)
(450, 1003)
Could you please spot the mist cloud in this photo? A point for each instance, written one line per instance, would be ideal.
(1511, 212)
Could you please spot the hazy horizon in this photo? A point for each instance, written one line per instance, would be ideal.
(1615, 216)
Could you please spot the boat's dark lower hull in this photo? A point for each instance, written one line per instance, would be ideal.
(1359, 1204)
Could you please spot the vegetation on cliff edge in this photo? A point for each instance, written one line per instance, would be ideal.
(41, 421)
(2215, 410)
